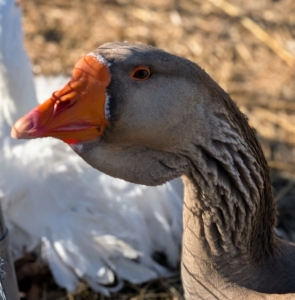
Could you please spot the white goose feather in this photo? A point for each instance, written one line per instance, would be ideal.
(88, 225)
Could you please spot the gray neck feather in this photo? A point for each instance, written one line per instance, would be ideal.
(229, 211)
(224, 190)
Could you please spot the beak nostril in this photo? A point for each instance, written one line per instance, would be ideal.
(61, 105)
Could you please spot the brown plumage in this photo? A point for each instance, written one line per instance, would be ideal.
(176, 121)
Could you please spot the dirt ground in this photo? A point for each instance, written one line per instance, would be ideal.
(248, 47)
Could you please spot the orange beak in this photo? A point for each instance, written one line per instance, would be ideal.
(76, 113)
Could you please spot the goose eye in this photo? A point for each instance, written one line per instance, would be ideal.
(141, 73)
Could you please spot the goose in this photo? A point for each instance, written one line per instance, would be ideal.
(146, 116)
(60, 207)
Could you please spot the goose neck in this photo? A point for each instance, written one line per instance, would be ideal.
(229, 209)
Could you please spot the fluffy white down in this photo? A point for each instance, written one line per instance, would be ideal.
(88, 225)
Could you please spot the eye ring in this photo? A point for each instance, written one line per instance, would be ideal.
(141, 73)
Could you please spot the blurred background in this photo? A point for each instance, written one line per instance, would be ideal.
(248, 47)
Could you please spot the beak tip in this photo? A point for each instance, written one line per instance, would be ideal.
(14, 134)
(19, 135)
(21, 128)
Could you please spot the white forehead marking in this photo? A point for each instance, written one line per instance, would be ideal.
(99, 58)
(107, 102)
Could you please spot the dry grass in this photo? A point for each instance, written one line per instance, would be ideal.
(36, 283)
(248, 47)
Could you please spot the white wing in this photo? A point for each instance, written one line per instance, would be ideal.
(89, 225)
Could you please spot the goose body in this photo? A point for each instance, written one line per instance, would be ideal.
(140, 114)
(54, 201)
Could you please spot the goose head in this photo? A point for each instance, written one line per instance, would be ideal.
(133, 112)
(146, 116)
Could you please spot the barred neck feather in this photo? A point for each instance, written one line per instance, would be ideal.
(231, 190)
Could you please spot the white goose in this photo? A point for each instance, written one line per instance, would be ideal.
(101, 229)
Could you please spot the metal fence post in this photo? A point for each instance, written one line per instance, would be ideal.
(8, 283)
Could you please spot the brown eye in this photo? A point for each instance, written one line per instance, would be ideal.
(141, 73)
